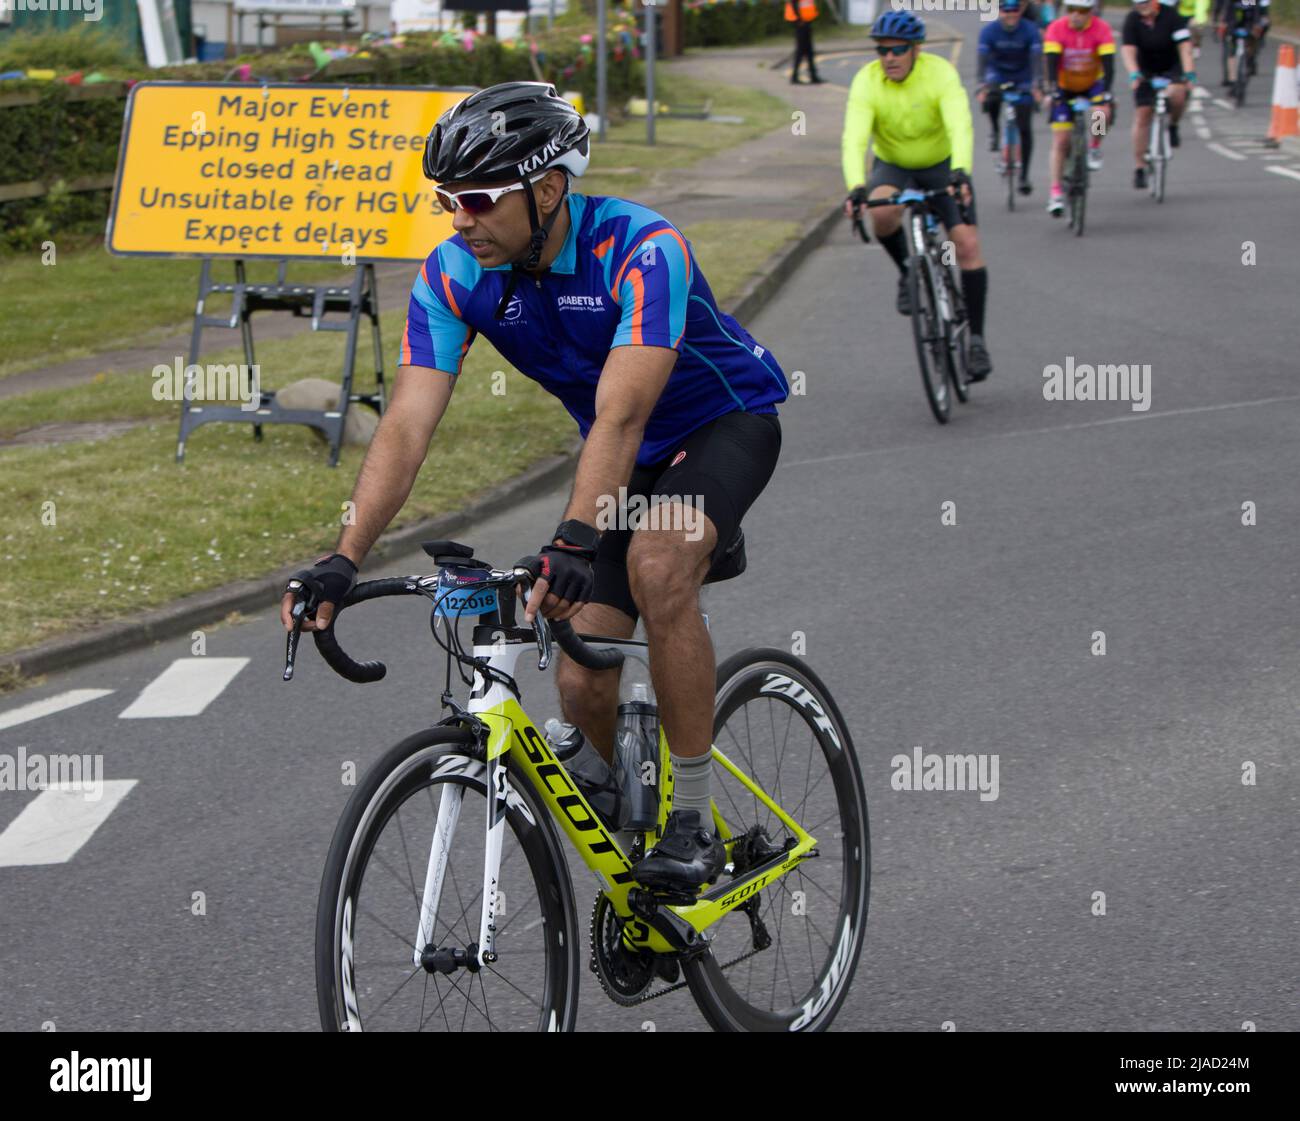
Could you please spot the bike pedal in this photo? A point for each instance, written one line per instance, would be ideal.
(666, 896)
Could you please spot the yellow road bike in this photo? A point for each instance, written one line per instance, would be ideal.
(446, 902)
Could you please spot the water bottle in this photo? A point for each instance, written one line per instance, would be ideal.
(636, 759)
(588, 770)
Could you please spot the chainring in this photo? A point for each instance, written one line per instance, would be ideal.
(625, 975)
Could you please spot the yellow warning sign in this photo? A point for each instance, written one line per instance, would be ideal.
(278, 171)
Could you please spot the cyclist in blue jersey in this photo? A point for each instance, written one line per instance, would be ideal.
(1011, 50)
(601, 302)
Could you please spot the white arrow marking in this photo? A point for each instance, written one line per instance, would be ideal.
(56, 824)
(49, 705)
(185, 688)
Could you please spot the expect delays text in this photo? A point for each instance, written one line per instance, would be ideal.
(313, 233)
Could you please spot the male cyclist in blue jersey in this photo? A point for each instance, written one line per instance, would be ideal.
(1011, 51)
(602, 302)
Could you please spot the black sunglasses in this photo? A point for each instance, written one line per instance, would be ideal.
(898, 49)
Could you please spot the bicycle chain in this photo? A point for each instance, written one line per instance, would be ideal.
(671, 987)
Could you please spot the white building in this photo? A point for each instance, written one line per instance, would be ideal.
(223, 22)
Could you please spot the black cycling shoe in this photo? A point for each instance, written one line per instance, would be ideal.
(687, 856)
(1026, 187)
(904, 301)
(993, 142)
(1139, 178)
(1175, 140)
(978, 363)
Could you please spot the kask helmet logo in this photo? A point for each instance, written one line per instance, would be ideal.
(537, 159)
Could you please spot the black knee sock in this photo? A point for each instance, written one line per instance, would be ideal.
(896, 246)
(974, 289)
(1026, 152)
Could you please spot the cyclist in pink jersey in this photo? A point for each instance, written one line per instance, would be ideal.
(1079, 53)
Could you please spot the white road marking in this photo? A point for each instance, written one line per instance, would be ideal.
(1291, 174)
(1224, 104)
(1203, 133)
(1225, 151)
(50, 705)
(185, 688)
(57, 823)
(1055, 428)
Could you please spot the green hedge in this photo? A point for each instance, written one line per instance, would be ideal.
(724, 23)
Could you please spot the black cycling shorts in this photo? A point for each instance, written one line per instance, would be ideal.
(719, 469)
(933, 178)
(1145, 95)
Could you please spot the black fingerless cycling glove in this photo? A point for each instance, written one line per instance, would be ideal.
(327, 581)
(567, 571)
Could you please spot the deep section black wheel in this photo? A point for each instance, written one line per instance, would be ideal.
(927, 330)
(368, 914)
(956, 335)
(785, 961)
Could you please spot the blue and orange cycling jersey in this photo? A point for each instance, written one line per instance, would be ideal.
(625, 276)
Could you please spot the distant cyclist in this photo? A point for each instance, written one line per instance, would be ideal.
(1155, 43)
(1253, 15)
(1011, 50)
(1197, 14)
(1079, 51)
(601, 302)
(910, 108)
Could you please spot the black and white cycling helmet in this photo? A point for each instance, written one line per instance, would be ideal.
(509, 133)
(505, 133)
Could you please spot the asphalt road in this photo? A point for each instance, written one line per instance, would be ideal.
(1120, 773)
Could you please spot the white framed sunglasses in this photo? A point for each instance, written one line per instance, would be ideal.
(478, 201)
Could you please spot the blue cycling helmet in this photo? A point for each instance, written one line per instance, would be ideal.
(899, 25)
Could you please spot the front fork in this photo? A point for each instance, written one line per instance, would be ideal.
(449, 807)
(453, 797)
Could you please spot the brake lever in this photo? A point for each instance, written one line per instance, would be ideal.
(544, 648)
(540, 628)
(298, 614)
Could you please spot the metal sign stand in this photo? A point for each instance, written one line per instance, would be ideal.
(359, 298)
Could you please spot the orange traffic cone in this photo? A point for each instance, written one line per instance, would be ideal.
(1284, 122)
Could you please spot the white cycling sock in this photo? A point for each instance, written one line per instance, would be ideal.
(691, 775)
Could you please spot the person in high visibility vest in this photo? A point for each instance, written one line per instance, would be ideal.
(801, 13)
(1197, 14)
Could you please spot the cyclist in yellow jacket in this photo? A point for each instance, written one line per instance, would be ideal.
(911, 109)
(1197, 14)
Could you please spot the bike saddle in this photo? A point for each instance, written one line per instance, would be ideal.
(731, 562)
